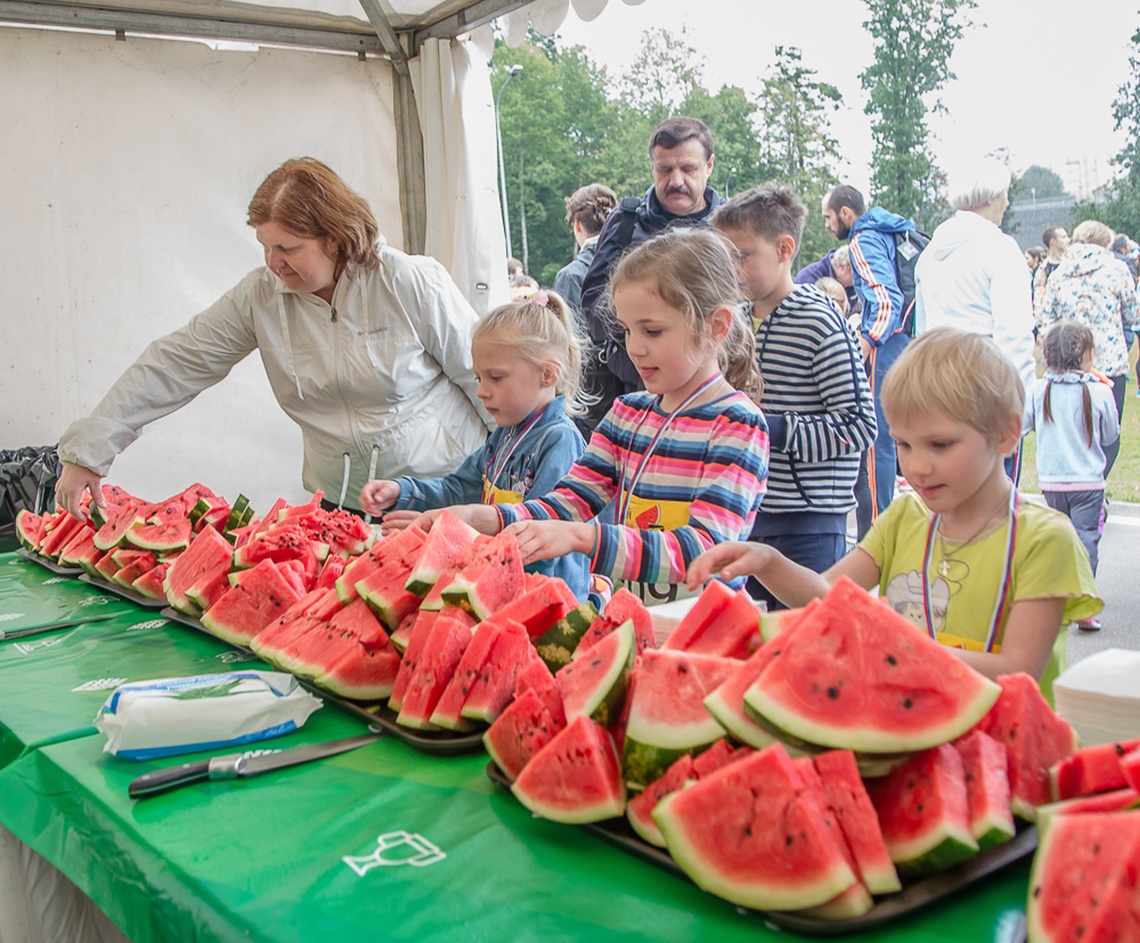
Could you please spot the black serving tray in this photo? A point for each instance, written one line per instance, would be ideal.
(49, 564)
(124, 592)
(376, 713)
(914, 895)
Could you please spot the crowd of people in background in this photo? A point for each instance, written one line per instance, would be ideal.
(828, 331)
(687, 401)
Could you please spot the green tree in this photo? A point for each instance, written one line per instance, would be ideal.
(914, 40)
(1040, 182)
(1121, 210)
(797, 146)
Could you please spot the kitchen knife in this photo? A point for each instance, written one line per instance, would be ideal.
(233, 765)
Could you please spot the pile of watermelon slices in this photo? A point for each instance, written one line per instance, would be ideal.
(1084, 883)
(878, 756)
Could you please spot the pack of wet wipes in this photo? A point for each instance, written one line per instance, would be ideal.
(145, 720)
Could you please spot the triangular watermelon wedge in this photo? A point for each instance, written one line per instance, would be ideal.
(244, 610)
(858, 676)
(446, 539)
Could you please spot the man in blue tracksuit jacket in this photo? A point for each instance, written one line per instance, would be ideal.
(883, 335)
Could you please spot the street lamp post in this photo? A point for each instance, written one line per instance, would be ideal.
(512, 71)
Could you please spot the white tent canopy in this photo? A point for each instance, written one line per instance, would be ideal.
(129, 155)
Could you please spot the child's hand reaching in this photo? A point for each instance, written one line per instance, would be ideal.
(545, 540)
(392, 521)
(377, 496)
(729, 560)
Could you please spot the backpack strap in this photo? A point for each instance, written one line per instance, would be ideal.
(629, 206)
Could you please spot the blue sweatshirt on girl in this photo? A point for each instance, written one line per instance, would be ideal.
(1066, 461)
(515, 468)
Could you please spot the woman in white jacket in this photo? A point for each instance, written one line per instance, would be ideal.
(367, 349)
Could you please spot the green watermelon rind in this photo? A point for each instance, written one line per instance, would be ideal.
(556, 646)
(938, 850)
(604, 703)
(643, 763)
(740, 728)
(866, 740)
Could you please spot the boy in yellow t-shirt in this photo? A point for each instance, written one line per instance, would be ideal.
(965, 558)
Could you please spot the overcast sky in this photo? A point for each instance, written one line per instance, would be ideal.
(1037, 78)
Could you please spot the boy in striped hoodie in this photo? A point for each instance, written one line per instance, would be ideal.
(816, 398)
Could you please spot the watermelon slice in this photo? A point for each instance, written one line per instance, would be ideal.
(723, 622)
(81, 550)
(493, 688)
(245, 609)
(774, 854)
(1035, 739)
(30, 528)
(543, 602)
(416, 647)
(331, 571)
(856, 900)
(1115, 801)
(519, 732)
(987, 789)
(595, 683)
(856, 675)
(535, 676)
(149, 584)
(1083, 882)
(1090, 770)
(362, 665)
(443, 650)
(58, 532)
(726, 702)
(384, 591)
(282, 543)
(165, 537)
(208, 552)
(924, 812)
(575, 778)
(485, 586)
(210, 587)
(447, 538)
(447, 712)
(113, 533)
(623, 606)
(639, 810)
(847, 797)
(126, 576)
(667, 715)
(1130, 767)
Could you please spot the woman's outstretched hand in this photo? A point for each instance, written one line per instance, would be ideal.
(73, 481)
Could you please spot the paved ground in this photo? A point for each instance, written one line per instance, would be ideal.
(1118, 578)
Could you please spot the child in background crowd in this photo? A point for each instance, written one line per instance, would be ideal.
(528, 363)
(523, 287)
(834, 291)
(1075, 417)
(673, 470)
(816, 399)
(967, 560)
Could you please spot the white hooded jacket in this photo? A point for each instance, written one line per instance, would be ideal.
(974, 277)
(380, 381)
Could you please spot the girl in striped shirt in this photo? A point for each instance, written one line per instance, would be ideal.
(675, 469)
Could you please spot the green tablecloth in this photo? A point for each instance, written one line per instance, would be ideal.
(263, 859)
(31, 596)
(51, 685)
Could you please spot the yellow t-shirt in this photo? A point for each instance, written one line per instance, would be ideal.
(965, 578)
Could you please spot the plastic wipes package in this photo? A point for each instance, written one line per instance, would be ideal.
(144, 720)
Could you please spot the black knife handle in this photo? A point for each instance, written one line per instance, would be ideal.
(164, 780)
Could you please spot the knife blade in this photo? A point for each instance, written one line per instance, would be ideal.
(234, 765)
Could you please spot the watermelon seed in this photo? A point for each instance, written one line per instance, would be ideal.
(1037, 891)
(788, 840)
(833, 693)
(891, 660)
(907, 704)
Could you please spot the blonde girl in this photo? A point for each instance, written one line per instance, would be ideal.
(675, 469)
(527, 360)
(1075, 417)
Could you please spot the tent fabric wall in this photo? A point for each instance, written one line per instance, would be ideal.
(464, 224)
(128, 167)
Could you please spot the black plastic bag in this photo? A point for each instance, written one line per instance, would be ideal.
(27, 480)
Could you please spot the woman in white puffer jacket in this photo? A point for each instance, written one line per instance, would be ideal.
(367, 349)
